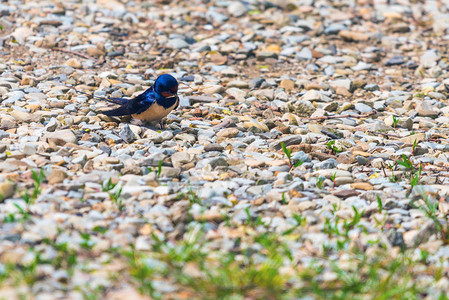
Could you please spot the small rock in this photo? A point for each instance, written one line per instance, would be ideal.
(180, 158)
(127, 134)
(425, 109)
(363, 108)
(346, 193)
(213, 147)
(345, 83)
(304, 54)
(74, 63)
(228, 132)
(366, 186)
(287, 84)
(21, 34)
(56, 176)
(288, 140)
(395, 61)
(177, 44)
(61, 137)
(95, 52)
(29, 149)
(237, 9)
(167, 172)
(429, 58)
(353, 36)
(265, 94)
(238, 84)
(418, 137)
(24, 116)
(7, 189)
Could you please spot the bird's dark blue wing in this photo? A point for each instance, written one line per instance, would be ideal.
(136, 105)
(142, 102)
(115, 100)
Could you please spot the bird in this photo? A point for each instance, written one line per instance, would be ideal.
(152, 105)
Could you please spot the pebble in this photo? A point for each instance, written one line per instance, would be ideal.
(287, 84)
(177, 44)
(228, 132)
(363, 108)
(56, 176)
(7, 189)
(61, 137)
(74, 63)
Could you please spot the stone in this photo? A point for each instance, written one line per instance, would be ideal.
(302, 108)
(314, 95)
(238, 94)
(346, 193)
(170, 172)
(304, 54)
(395, 61)
(256, 124)
(344, 83)
(21, 34)
(343, 180)
(7, 189)
(213, 147)
(228, 133)
(127, 134)
(74, 63)
(237, 9)
(425, 109)
(366, 186)
(306, 205)
(180, 158)
(333, 106)
(353, 36)
(418, 137)
(213, 89)
(24, 116)
(213, 162)
(61, 137)
(265, 94)
(287, 84)
(29, 149)
(429, 58)
(363, 108)
(177, 44)
(406, 123)
(95, 52)
(185, 137)
(288, 141)
(238, 84)
(56, 176)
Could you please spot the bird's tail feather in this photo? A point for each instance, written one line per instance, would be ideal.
(120, 101)
(114, 100)
(119, 111)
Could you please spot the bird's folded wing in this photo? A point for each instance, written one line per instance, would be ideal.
(141, 103)
(115, 100)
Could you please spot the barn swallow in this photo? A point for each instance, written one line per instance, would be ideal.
(152, 105)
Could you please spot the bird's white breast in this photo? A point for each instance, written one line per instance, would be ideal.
(155, 112)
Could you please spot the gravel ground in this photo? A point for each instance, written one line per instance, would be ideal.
(308, 158)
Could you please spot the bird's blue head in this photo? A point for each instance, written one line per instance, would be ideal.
(166, 86)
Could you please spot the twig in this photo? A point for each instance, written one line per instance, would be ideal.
(344, 116)
(73, 52)
(383, 169)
